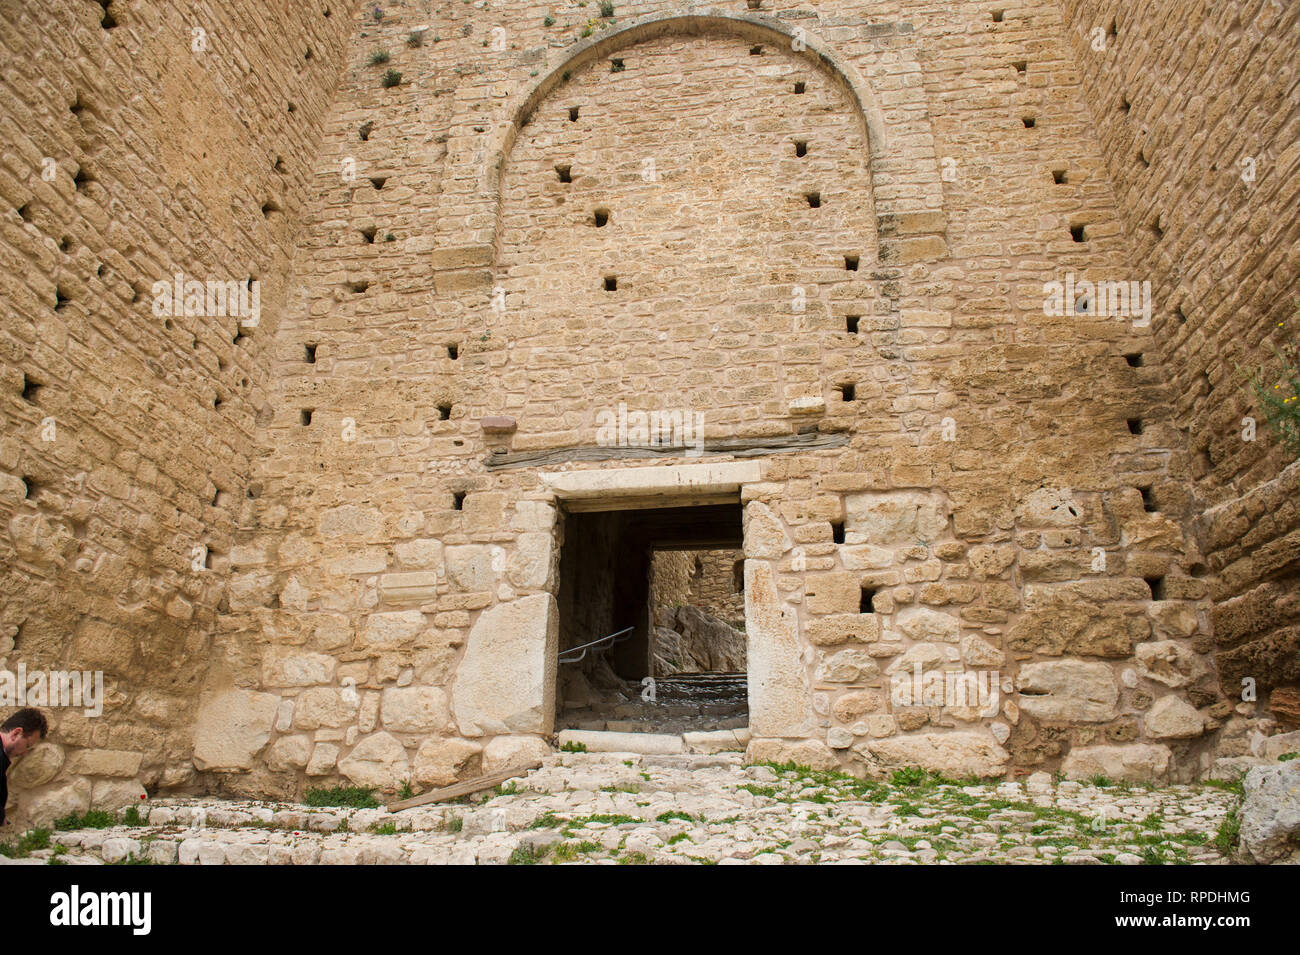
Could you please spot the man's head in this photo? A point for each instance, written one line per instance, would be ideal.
(22, 731)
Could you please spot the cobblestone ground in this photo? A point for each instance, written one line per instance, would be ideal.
(599, 808)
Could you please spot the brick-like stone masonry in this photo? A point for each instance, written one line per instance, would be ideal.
(291, 546)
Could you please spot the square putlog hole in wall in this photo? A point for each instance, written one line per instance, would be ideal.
(1059, 177)
(601, 218)
(800, 86)
(1157, 586)
(1078, 232)
(814, 199)
(1029, 121)
(444, 412)
(457, 500)
(304, 416)
(866, 603)
(848, 392)
(1148, 500)
(611, 283)
(850, 263)
(1135, 426)
(851, 323)
(565, 173)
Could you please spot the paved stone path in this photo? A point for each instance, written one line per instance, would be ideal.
(616, 808)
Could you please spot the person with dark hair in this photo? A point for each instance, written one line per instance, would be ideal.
(18, 734)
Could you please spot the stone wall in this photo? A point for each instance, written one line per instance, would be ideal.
(692, 214)
(136, 149)
(1194, 108)
(712, 580)
(763, 219)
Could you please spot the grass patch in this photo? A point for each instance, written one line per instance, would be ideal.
(384, 829)
(574, 747)
(94, 819)
(29, 842)
(353, 797)
(1229, 834)
(132, 817)
(392, 78)
(379, 57)
(674, 814)
(527, 855)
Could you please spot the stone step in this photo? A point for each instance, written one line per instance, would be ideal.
(658, 744)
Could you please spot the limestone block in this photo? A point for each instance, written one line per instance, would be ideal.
(978, 652)
(289, 753)
(953, 754)
(843, 628)
(920, 623)
(926, 656)
(231, 728)
(833, 593)
(424, 554)
(393, 628)
(1060, 621)
(441, 762)
(351, 521)
(294, 667)
(112, 794)
(597, 741)
(39, 807)
(104, 762)
(529, 567)
(779, 691)
(413, 587)
(38, 767)
(1131, 762)
(894, 518)
(470, 566)
(331, 631)
(847, 666)
(765, 536)
(1270, 813)
(866, 557)
(324, 757)
(506, 681)
(710, 742)
(1168, 662)
(1049, 507)
(377, 762)
(812, 753)
(533, 516)
(1070, 690)
(415, 709)
(1172, 717)
(852, 706)
(503, 752)
(839, 738)
(990, 561)
(326, 706)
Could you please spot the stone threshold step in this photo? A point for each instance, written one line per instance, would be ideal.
(657, 744)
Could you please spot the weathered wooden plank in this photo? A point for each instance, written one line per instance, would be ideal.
(466, 788)
(735, 447)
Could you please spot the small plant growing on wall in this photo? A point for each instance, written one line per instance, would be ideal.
(606, 8)
(548, 21)
(416, 38)
(1277, 393)
(392, 78)
(378, 57)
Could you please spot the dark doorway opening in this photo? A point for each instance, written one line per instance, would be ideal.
(652, 620)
